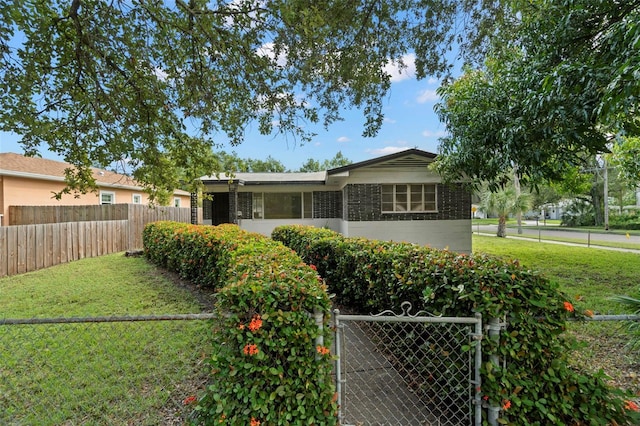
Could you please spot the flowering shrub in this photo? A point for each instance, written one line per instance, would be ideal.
(536, 386)
(267, 367)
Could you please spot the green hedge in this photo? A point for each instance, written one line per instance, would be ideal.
(629, 220)
(537, 387)
(266, 366)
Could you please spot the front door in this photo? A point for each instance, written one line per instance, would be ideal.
(220, 208)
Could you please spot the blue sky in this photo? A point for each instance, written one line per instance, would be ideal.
(410, 122)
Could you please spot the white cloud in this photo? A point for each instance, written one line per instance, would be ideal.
(389, 120)
(343, 139)
(437, 134)
(160, 74)
(432, 81)
(268, 50)
(399, 72)
(427, 95)
(388, 150)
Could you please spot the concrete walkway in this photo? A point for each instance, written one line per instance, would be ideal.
(375, 393)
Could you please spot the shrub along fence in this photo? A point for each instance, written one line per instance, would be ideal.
(526, 379)
(270, 361)
(44, 236)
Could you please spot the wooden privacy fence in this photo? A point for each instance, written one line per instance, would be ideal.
(44, 236)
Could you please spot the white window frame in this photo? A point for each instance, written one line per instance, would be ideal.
(412, 198)
(111, 194)
(136, 198)
(177, 202)
(259, 212)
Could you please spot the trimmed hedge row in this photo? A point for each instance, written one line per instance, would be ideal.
(266, 367)
(537, 387)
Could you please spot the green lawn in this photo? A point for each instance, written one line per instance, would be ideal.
(590, 277)
(99, 373)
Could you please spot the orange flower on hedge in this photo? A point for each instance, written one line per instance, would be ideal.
(313, 267)
(322, 350)
(251, 349)
(568, 306)
(255, 323)
(254, 422)
(506, 405)
(189, 400)
(632, 406)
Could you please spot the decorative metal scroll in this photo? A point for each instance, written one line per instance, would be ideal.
(406, 312)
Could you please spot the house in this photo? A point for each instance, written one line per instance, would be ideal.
(394, 197)
(31, 181)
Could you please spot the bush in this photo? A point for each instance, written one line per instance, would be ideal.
(629, 220)
(537, 386)
(579, 213)
(268, 365)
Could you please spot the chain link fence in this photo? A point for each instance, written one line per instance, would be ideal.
(408, 370)
(102, 371)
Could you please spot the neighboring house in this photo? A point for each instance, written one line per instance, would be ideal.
(395, 197)
(31, 181)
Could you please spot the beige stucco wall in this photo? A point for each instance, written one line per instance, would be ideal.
(19, 191)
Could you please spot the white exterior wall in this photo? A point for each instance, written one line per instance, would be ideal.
(266, 226)
(454, 235)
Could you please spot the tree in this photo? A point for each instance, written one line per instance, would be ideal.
(152, 84)
(502, 203)
(555, 86)
(270, 164)
(312, 165)
(625, 155)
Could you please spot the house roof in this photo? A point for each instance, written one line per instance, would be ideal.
(406, 158)
(12, 164)
(268, 178)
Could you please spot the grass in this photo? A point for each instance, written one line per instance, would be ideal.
(593, 242)
(590, 277)
(587, 275)
(97, 373)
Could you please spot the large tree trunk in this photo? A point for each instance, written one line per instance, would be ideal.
(502, 226)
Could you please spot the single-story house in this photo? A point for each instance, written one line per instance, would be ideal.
(31, 181)
(395, 197)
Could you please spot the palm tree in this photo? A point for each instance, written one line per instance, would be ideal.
(503, 203)
(634, 326)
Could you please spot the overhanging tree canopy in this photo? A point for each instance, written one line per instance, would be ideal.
(152, 84)
(562, 80)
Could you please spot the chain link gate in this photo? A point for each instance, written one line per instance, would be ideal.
(408, 369)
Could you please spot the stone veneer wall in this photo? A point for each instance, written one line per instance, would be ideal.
(327, 204)
(364, 203)
(245, 204)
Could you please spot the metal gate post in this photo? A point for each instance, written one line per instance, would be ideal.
(478, 335)
(339, 354)
(318, 316)
(494, 328)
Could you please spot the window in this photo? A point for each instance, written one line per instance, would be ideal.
(176, 202)
(136, 199)
(409, 198)
(107, 197)
(282, 205)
